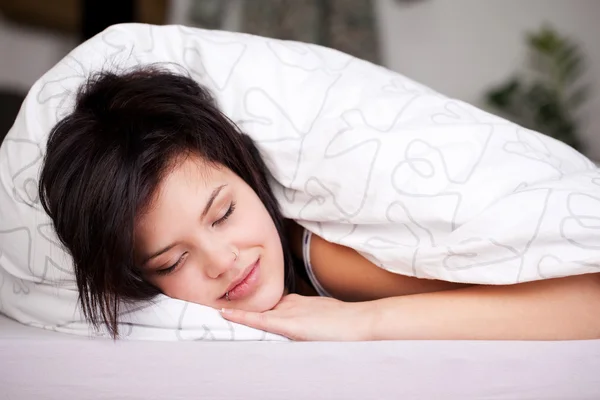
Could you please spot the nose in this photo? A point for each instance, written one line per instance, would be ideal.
(219, 260)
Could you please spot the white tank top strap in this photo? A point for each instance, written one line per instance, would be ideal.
(307, 264)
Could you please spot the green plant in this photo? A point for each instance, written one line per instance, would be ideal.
(546, 96)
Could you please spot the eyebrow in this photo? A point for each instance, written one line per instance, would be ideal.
(207, 207)
(211, 200)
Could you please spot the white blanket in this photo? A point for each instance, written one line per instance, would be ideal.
(420, 184)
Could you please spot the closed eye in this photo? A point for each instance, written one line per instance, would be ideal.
(168, 270)
(227, 215)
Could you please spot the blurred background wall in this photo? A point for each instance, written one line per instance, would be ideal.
(462, 48)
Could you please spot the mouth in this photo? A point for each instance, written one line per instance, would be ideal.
(245, 283)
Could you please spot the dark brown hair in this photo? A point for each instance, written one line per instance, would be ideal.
(105, 160)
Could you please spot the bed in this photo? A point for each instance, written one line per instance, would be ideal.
(441, 197)
(40, 364)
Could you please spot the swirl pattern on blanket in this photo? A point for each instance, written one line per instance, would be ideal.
(418, 183)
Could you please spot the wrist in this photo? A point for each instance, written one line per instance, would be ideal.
(369, 316)
(383, 319)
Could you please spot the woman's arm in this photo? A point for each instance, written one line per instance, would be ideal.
(556, 309)
(348, 276)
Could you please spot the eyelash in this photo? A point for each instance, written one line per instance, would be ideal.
(168, 270)
(227, 215)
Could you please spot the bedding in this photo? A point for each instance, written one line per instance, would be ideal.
(449, 370)
(419, 183)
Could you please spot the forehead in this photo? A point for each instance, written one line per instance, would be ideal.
(186, 182)
(190, 174)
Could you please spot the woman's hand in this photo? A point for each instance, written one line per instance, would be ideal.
(553, 309)
(309, 318)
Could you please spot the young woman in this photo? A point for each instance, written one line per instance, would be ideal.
(153, 190)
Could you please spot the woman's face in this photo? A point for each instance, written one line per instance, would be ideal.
(206, 233)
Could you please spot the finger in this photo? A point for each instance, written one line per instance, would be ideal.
(262, 321)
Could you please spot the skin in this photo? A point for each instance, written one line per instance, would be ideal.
(553, 309)
(370, 303)
(206, 236)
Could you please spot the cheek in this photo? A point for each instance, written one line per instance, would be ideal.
(257, 224)
(262, 231)
(187, 284)
(273, 241)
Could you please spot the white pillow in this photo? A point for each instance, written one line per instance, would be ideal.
(418, 183)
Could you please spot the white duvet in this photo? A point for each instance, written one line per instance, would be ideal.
(419, 183)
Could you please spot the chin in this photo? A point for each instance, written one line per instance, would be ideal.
(264, 300)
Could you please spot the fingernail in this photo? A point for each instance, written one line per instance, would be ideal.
(225, 311)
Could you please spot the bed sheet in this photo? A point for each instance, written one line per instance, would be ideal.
(39, 364)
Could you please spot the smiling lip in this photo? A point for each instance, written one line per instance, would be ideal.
(242, 287)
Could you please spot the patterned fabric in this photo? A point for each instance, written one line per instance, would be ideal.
(420, 184)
